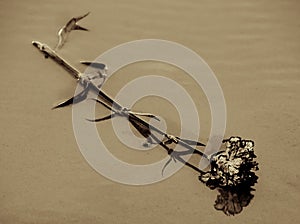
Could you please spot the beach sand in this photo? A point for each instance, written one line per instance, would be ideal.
(254, 50)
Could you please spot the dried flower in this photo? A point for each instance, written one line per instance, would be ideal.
(233, 166)
(233, 174)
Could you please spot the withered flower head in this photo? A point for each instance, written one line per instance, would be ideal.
(232, 172)
(234, 166)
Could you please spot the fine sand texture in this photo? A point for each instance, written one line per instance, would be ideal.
(253, 47)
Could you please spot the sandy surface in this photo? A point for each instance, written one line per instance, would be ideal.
(253, 48)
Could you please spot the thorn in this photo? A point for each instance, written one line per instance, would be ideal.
(101, 119)
(77, 27)
(95, 64)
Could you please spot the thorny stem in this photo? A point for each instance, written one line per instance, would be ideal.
(176, 155)
(116, 107)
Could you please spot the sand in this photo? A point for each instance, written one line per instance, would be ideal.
(252, 47)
